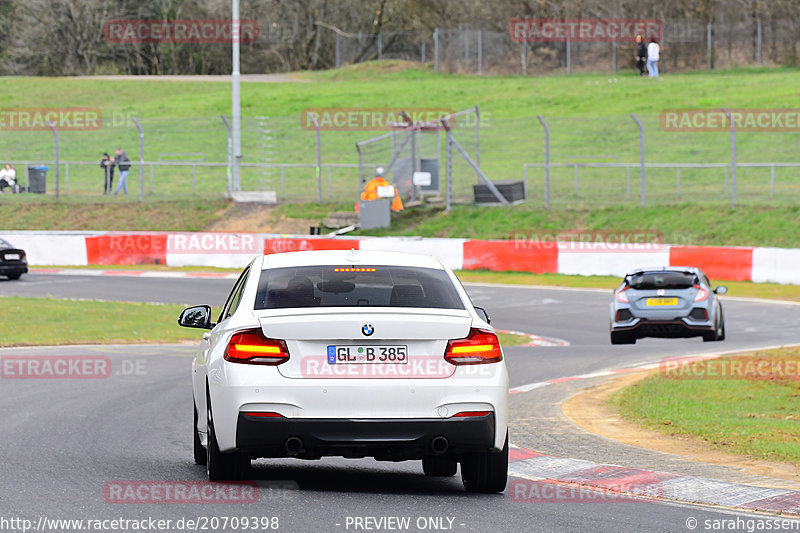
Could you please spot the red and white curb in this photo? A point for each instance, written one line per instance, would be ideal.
(535, 471)
(536, 340)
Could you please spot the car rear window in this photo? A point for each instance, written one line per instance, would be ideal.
(351, 286)
(662, 280)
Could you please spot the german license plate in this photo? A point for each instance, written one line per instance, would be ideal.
(363, 354)
(662, 301)
(12, 257)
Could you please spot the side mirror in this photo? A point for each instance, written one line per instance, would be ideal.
(198, 316)
(721, 290)
(482, 313)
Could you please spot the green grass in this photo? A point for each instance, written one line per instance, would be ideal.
(96, 322)
(757, 415)
(683, 224)
(588, 115)
(46, 321)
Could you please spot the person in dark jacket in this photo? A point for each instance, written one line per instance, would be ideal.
(107, 164)
(641, 54)
(124, 164)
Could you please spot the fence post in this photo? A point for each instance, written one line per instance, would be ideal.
(641, 159)
(480, 51)
(575, 168)
(319, 157)
(760, 58)
(733, 157)
(339, 50)
(380, 45)
(141, 159)
(569, 58)
(55, 145)
(478, 135)
(230, 147)
(448, 169)
(422, 52)
(524, 57)
(708, 46)
(436, 50)
(546, 160)
(614, 56)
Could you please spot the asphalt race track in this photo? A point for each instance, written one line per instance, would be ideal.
(67, 443)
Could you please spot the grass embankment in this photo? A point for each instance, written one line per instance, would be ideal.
(746, 405)
(95, 322)
(46, 321)
(589, 118)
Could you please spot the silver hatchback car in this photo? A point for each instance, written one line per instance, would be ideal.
(666, 302)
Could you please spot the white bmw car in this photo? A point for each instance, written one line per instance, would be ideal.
(353, 354)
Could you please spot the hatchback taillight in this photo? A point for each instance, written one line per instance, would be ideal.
(252, 347)
(479, 347)
(621, 296)
(701, 295)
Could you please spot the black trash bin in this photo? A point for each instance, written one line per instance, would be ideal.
(37, 179)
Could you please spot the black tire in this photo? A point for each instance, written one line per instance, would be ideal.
(485, 472)
(439, 466)
(718, 334)
(223, 466)
(200, 453)
(14, 277)
(622, 338)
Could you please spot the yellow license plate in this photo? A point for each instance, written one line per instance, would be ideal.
(662, 301)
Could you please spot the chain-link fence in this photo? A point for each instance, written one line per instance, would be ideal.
(686, 45)
(592, 161)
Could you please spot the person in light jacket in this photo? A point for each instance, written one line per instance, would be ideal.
(653, 55)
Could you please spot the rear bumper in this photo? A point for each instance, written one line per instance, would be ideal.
(681, 327)
(13, 268)
(384, 439)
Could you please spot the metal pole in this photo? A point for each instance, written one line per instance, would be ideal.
(641, 158)
(436, 50)
(575, 167)
(448, 165)
(478, 135)
(319, 158)
(760, 58)
(141, 158)
(422, 52)
(614, 56)
(152, 178)
(708, 45)
(55, 145)
(772, 181)
(380, 45)
(480, 51)
(726, 181)
(230, 148)
(679, 182)
(569, 57)
(330, 184)
(524, 58)
(236, 104)
(466, 44)
(546, 160)
(338, 50)
(283, 182)
(733, 157)
(629, 182)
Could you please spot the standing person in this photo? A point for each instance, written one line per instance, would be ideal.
(107, 164)
(641, 54)
(124, 165)
(653, 55)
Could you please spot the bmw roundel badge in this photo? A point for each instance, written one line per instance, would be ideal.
(367, 330)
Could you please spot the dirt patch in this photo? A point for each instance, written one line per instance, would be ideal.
(259, 218)
(590, 410)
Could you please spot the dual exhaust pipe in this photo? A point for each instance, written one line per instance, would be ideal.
(294, 446)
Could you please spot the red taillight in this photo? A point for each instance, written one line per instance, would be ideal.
(263, 414)
(481, 346)
(252, 347)
(621, 296)
(464, 414)
(701, 295)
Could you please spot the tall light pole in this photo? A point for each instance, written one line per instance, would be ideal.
(237, 118)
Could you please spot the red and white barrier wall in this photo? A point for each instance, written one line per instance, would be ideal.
(236, 249)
